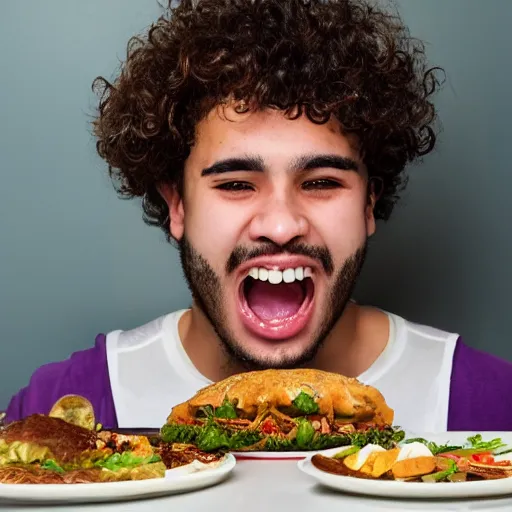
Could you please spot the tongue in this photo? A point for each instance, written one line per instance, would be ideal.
(275, 301)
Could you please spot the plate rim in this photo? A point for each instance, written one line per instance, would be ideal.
(117, 491)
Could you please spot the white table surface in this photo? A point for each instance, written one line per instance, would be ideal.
(263, 486)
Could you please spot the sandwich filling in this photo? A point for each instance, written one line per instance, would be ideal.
(296, 427)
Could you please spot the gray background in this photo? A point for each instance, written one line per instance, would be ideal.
(75, 260)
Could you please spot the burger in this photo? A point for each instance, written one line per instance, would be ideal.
(283, 410)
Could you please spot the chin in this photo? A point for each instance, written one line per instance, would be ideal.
(261, 353)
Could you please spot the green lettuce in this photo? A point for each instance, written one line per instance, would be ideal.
(52, 465)
(212, 437)
(305, 434)
(226, 410)
(305, 403)
(474, 444)
(127, 460)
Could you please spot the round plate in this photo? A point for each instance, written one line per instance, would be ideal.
(183, 479)
(275, 455)
(396, 489)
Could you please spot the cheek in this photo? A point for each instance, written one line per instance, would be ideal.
(214, 230)
(342, 227)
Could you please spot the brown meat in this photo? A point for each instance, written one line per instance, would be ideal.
(175, 455)
(66, 442)
(489, 472)
(337, 467)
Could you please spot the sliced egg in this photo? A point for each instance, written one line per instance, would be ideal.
(413, 450)
(357, 460)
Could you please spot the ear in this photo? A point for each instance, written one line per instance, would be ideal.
(174, 202)
(374, 191)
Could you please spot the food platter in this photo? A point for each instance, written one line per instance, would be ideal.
(66, 457)
(193, 477)
(414, 489)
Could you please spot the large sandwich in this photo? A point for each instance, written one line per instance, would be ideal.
(283, 410)
(67, 447)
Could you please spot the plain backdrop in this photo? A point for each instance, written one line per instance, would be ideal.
(75, 260)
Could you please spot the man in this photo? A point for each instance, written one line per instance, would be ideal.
(266, 138)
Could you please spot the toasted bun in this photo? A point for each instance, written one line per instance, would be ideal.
(336, 395)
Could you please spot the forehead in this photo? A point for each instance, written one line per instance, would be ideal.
(268, 134)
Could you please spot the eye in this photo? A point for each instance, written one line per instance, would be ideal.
(235, 186)
(321, 184)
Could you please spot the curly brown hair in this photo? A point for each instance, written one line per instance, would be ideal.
(319, 58)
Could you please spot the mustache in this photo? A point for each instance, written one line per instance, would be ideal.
(242, 254)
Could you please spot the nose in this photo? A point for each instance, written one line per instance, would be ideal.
(280, 221)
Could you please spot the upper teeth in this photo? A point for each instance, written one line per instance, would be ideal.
(277, 276)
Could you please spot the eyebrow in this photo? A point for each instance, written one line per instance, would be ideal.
(303, 163)
(235, 164)
(310, 162)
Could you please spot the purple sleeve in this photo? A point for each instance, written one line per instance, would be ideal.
(480, 391)
(84, 373)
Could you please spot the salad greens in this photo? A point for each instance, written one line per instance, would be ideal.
(212, 436)
(474, 445)
(126, 459)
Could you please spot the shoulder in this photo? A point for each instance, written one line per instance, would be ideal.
(139, 336)
(84, 373)
(480, 391)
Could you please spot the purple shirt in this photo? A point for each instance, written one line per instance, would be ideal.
(480, 388)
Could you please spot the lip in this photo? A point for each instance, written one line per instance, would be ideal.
(282, 329)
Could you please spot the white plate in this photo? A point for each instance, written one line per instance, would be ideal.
(274, 455)
(183, 479)
(392, 488)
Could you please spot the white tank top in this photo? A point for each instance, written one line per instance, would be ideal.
(150, 372)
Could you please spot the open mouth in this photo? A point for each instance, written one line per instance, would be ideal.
(277, 304)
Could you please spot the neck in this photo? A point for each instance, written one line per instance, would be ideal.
(355, 342)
